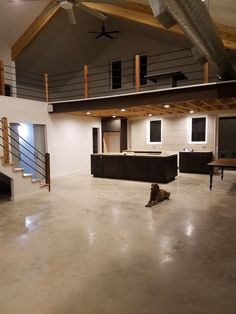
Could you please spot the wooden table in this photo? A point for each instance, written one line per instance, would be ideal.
(223, 163)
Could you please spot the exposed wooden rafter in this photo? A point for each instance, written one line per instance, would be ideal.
(135, 12)
(33, 30)
(141, 13)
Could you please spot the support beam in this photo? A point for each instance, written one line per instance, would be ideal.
(206, 72)
(2, 82)
(46, 87)
(6, 153)
(137, 73)
(32, 31)
(86, 83)
(142, 14)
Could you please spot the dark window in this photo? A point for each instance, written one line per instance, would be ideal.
(143, 70)
(116, 74)
(8, 91)
(198, 130)
(155, 131)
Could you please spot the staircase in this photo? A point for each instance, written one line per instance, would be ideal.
(22, 184)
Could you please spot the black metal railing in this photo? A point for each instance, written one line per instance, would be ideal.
(24, 154)
(103, 80)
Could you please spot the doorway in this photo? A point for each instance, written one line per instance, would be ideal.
(227, 136)
(29, 147)
(95, 140)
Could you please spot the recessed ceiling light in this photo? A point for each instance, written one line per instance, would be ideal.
(191, 111)
(167, 106)
(150, 114)
(123, 109)
(88, 113)
(114, 117)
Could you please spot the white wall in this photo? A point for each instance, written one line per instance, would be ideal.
(175, 134)
(69, 137)
(70, 142)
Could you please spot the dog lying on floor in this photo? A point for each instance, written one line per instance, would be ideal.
(157, 195)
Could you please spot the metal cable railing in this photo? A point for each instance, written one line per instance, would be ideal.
(23, 154)
(116, 76)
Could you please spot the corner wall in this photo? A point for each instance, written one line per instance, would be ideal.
(69, 137)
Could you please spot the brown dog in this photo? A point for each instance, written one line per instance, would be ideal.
(157, 195)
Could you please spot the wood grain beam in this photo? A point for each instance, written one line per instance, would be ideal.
(142, 14)
(33, 30)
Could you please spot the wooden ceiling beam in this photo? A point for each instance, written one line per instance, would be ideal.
(210, 105)
(33, 30)
(142, 14)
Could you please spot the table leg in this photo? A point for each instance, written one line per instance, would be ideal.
(211, 177)
(222, 173)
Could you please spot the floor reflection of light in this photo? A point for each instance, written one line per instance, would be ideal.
(165, 250)
(125, 247)
(29, 223)
(189, 230)
(92, 237)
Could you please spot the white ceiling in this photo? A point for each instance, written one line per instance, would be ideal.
(16, 16)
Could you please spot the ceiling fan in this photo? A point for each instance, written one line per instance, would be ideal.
(104, 33)
(68, 6)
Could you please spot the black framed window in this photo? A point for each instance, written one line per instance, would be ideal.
(155, 131)
(8, 90)
(116, 73)
(143, 69)
(198, 130)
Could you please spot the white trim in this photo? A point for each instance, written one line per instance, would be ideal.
(148, 130)
(190, 130)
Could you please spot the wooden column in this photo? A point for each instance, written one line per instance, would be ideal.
(2, 83)
(6, 154)
(137, 73)
(86, 87)
(206, 72)
(46, 87)
(47, 171)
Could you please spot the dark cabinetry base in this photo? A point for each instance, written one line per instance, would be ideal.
(141, 168)
(195, 162)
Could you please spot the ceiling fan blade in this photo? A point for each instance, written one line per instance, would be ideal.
(109, 36)
(97, 14)
(71, 16)
(100, 35)
(113, 32)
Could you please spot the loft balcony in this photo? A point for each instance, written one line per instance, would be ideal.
(165, 83)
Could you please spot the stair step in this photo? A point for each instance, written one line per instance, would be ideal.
(7, 164)
(36, 180)
(26, 175)
(18, 169)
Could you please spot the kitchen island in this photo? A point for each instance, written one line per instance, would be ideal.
(160, 168)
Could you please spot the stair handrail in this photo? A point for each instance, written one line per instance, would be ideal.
(25, 141)
(25, 156)
(46, 161)
(24, 161)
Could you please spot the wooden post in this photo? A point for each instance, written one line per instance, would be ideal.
(2, 83)
(47, 171)
(86, 87)
(137, 73)
(46, 87)
(206, 72)
(6, 154)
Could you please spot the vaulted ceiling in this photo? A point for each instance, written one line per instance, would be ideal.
(21, 15)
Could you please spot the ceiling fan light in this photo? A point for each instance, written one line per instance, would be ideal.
(66, 5)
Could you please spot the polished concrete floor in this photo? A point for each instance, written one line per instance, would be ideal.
(90, 246)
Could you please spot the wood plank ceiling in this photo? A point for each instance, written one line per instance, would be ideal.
(222, 105)
(136, 12)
